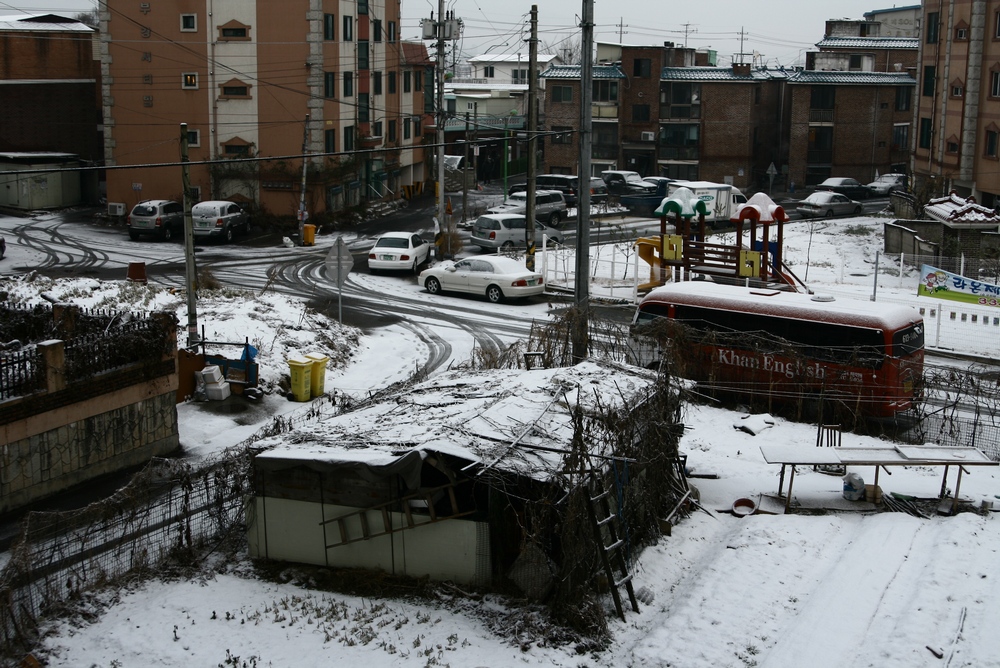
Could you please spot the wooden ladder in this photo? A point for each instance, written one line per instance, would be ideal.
(611, 545)
(383, 511)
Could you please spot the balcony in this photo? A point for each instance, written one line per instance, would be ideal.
(821, 115)
(605, 111)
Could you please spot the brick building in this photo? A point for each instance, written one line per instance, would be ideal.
(244, 75)
(49, 76)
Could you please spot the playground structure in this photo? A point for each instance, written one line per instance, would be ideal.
(686, 253)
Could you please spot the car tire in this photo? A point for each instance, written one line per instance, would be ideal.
(829, 214)
(227, 235)
(416, 267)
(373, 272)
(507, 246)
(857, 210)
(168, 233)
(433, 285)
(494, 294)
(134, 236)
(555, 219)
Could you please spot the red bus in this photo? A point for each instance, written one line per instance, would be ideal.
(774, 346)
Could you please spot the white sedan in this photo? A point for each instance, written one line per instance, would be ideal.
(497, 277)
(399, 251)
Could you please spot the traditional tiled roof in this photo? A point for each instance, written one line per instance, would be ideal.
(573, 72)
(955, 210)
(716, 74)
(852, 78)
(912, 43)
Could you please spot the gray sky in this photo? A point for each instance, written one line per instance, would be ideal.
(781, 30)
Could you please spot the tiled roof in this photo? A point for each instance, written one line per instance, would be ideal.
(852, 78)
(956, 210)
(716, 74)
(869, 43)
(573, 72)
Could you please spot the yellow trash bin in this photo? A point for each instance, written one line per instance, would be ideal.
(318, 382)
(301, 369)
(308, 235)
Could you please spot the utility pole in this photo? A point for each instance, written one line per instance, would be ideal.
(529, 214)
(621, 29)
(190, 269)
(465, 168)
(475, 141)
(302, 196)
(582, 283)
(440, 119)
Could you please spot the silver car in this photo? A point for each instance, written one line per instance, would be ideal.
(550, 205)
(496, 231)
(825, 204)
(219, 220)
(162, 218)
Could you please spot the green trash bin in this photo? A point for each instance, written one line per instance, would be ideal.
(318, 382)
(301, 369)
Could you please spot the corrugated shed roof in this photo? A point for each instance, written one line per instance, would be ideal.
(716, 74)
(853, 78)
(869, 43)
(542, 58)
(42, 23)
(573, 72)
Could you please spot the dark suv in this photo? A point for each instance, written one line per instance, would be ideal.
(568, 185)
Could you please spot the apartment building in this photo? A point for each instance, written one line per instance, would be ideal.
(957, 118)
(256, 80)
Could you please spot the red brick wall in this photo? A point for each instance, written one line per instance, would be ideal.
(51, 117)
(47, 55)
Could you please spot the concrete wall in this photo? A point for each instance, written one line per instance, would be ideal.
(287, 530)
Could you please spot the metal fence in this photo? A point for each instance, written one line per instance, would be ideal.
(21, 372)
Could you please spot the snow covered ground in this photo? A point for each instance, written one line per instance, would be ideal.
(835, 585)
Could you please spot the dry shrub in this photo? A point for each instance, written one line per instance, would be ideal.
(207, 280)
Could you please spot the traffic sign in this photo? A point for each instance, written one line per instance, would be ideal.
(339, 262)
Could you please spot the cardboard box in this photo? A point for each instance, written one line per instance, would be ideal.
(211, 374)
(873, 494)
(217, 391)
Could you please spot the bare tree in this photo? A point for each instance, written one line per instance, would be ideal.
(567, 48)
(88, 18)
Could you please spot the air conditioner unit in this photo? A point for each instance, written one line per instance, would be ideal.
(116, 209)
(647, 136)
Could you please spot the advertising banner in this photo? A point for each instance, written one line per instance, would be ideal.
(942, 284)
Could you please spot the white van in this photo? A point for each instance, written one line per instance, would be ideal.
(219, 220)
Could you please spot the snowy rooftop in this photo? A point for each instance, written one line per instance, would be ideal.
(42, 23)
(956, 210)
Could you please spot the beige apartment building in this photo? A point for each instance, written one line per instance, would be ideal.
(244, 75)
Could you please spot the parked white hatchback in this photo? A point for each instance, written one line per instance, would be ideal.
(219, 220)
(400, 251)
(496, 277)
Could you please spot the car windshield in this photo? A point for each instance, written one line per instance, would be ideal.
(817, 198)
(392, 242)
(487, 224)
(144, 210)
(517, 198)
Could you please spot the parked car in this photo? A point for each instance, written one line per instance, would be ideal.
(887, 183)
(549, 205)
(622, 182)
(163, 218)
(568, 185)
(657, 180)
(496, 277)
(219, 220)
(403, 251)
(845, 186)
(826, 204)
(506, 231)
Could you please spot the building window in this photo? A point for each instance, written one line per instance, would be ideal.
(928, 83)
(925, 133)
(363, 110)
(194, 138)
(417, 129)
(640, 112)
(823, 97)
(189, 80)
(933, 24)
(329, 84)
(406, 81)
(236, 150)
(679, 141)
(234, 32)
(377, 83)
(392, 83)
(348, 30)
(194, 194)
(363, 54)
(855, 62)
(406, 127)
(605, 91)
(995, 83)
(392, 131)
(992, 138)
(376, 30)
(377, 129)
(562, 93)
(957, 90)
(641, 67)
(348, 84)
(489, 71)
(904, 97)
(189, 23)
(563, 134)
(329, 27)
(418, 81)
(519, 76)
(391, 32)
(362, 7)
(951, 146)
(349, 138)
(234, 89)
(680, 99)
(330, 141)
(901, 137)
(996, 25)
(961, 34)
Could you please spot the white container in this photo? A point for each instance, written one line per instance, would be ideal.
(211, 374)
(217, 391)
